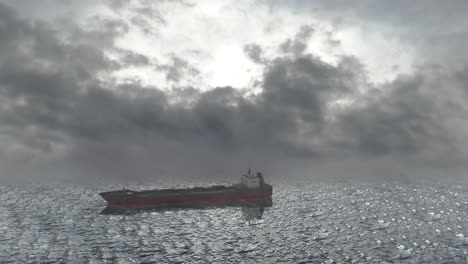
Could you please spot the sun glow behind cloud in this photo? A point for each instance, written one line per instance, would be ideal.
(210, 37)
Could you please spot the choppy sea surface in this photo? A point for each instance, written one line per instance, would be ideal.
(316, 223)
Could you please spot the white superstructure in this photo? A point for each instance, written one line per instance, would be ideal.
(251, 181)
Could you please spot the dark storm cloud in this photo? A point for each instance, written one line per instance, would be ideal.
(52, 95)
(403, 119)
(68, 101)
(301, 87)
(295, 94)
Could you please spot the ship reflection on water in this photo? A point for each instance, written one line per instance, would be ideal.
(252, 213)
(250, 210)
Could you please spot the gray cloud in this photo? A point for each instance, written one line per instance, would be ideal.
(54, 101)
(402, 120)
(130, 58)
(415, 14)
(428, 27)
(254, 52)
(298, 45)
(177, 68)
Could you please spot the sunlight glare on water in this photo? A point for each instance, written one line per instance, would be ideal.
(316, 223)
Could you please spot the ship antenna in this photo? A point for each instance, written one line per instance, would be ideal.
(249, 166)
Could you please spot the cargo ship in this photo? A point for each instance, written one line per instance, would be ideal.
(252, 191)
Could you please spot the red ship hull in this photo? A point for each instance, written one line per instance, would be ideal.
(189, 198)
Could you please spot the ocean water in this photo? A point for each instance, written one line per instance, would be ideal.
(316, 223)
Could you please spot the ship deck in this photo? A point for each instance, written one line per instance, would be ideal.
(210, 189)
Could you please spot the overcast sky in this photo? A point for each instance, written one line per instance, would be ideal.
(304, 89)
